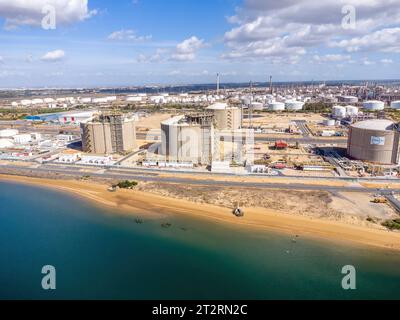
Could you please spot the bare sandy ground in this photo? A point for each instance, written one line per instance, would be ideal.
(155, 206)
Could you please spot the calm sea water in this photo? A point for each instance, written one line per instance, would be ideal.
(104, 255)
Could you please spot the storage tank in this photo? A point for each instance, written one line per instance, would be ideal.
(8, 133)
(22, 138)
(348, 99)
(351, 111)
(329, 122)
(258, 106)
(338, 112)
(395, 105)
(374, 141)
(373, 105)
(276, 106)
(6, 143)
(293, 105)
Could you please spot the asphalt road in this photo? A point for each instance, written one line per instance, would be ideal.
(116, 175)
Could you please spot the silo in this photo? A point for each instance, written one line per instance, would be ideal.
(348, 99)
(8, 133)
(329, 122)
(293, 105)
(395, 105)
(373, 105)
(257, 106)
(276, 106)
(351, 111)
(338, 112)
(374, 141)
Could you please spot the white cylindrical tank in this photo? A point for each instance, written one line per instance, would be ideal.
(374, 105)
(351, 111)
(395, 105)
(338, 112)
(8, 133)
(276, 106)
(294, 105)
(6, 143)
(329, 122)
(258, 106)
(348, 99)
(22, 138)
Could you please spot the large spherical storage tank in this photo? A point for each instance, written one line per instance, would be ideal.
(258, 106)
(375, 141)
(338, 112)
(395, 105)
(348, 99)
(293, 105)
(351, 111)
(8, 133)
(276, 106)
(374, 105)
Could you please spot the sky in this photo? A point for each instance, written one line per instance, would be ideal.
(92, 43)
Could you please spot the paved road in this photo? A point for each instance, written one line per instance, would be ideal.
(110, 174)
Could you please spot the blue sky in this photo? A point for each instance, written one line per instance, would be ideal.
(137, 42)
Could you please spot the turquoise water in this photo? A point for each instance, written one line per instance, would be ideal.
(105, 255)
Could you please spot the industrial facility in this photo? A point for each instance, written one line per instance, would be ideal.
(375, 141)
(108, 134)
(226, 117)
(188, 138)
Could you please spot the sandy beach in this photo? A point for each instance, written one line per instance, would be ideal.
(154, 206)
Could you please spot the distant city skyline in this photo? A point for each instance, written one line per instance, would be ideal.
(142, 42)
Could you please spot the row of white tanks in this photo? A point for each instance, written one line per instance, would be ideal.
(290, 105)
(343, 112)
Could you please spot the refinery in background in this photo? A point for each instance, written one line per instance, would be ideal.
(298, 129)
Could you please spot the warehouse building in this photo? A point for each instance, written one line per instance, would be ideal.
(108, 134)
(375, 141)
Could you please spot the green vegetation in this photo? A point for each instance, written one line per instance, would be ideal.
(126, 184)
(318, 107)
(392, 224)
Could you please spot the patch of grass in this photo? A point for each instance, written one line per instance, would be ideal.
(126, 184)
(392, 224)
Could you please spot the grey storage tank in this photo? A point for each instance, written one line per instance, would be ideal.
(374, 141)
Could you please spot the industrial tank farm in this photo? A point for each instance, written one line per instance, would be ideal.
(338, 112)
(374, 105)
(375, 141)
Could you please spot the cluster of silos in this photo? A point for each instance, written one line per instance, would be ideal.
(373, 105)
(375, 141)
(340, 112)
(290, 105)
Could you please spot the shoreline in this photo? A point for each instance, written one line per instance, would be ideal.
(154, 206)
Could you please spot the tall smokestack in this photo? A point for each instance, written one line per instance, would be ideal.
(271, 90)
(218, 83)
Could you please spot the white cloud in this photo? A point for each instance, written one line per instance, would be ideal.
(158, 56)
(29, 12)
(331, 58)
(187, 49)
(128, 35)
(1, 60)
(53, 56)
(272, 29)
